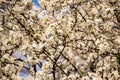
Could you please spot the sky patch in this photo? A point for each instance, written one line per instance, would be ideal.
(36, 3)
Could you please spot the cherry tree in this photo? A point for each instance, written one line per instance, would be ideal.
(59, 40)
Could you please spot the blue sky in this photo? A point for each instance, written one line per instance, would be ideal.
(36, 3)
